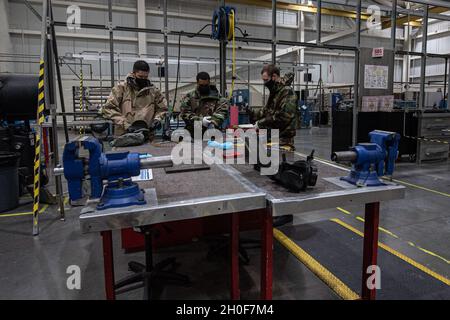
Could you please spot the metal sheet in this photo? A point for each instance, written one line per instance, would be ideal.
(132, 216)
(321, 201)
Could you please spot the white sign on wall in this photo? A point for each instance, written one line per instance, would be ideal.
(376, 77)
(377, 52)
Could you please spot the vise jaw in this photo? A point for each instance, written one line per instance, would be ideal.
(371, 161)
(116, 168)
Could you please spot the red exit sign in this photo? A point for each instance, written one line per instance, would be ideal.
(377, 52)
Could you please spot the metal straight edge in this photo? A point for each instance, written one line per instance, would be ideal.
(120, 218)
(327, 200)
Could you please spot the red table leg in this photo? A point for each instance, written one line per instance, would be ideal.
(234, 247)
(108, 264)
(370, 246)
(266, 255)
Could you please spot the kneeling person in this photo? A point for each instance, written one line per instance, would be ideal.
(136, 105)
(204, 104)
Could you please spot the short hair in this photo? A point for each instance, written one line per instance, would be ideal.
(271, 69)
(203, 76)
(141, 65)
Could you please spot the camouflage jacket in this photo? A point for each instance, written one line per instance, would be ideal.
(194, 107)
(280, 110)
(126, 104)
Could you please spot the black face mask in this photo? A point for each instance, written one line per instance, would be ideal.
(142, 83)
(203, 90)
(270, 84)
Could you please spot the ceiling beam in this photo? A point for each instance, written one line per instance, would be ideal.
(300, 7)
(413, 20)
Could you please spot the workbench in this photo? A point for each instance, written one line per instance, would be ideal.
(234, 190)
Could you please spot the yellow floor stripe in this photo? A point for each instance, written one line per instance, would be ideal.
(433, 254)
(343, 210)
(397, 237)
(398, 254)
(388, 232)
(44, 207)
(422, 188)
(324, 274)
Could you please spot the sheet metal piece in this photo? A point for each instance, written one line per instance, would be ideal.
(119, 218)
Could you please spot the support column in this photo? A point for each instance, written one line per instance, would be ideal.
(406, 47)
(319, 22)
(111, 41)
(356, 84)
(5, 40)
(274, 31)
(166, 55)
(223, 63)
(301, 38)
(423, 64)
(141, 20)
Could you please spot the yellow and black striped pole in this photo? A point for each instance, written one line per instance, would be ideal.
(37, 152)
(39, 120)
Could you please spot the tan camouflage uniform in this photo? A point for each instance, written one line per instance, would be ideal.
(126, 104)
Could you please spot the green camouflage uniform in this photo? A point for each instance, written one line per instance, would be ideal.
(194, 107)
(126, 104)
(280, 111)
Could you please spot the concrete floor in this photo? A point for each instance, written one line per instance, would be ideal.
(35, 268)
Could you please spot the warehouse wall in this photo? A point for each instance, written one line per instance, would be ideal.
(190, 16)
(5, 40)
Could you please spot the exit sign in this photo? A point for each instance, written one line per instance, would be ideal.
(377, 52)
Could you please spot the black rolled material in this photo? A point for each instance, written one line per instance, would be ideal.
(18, 97)
(9, 180)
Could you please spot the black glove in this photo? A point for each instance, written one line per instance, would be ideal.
(156, 125)
(137, 126)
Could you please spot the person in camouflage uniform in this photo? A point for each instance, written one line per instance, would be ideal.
(280, 110)
(135, 101)
(204, 104)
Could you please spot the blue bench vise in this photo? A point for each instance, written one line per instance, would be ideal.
(116, 168)
(371, 161)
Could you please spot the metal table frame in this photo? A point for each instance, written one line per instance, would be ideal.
(256, 201)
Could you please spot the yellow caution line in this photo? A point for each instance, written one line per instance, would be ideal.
(41, 211)
(429, 252)
(422, 188)
(343, 210)
(398, 254)
(397, 237)
(362, 220)
(324, 274)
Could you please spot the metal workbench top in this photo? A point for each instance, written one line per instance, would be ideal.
(225, 189)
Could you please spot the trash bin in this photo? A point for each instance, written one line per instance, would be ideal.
(9, 180)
